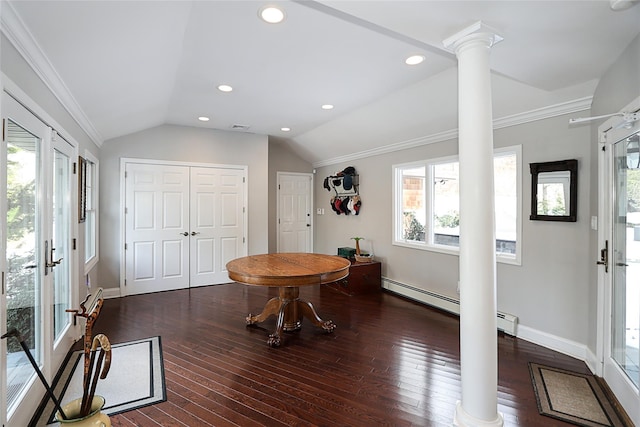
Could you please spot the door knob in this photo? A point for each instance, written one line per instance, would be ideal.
(193, 233)
(185, 234)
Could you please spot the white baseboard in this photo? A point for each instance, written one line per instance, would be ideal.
(559, 344)
(108, 293)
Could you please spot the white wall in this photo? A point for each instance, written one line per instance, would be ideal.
(548, 292)
(185, 144)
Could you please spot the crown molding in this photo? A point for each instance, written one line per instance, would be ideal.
(21, 38)
(574, 106)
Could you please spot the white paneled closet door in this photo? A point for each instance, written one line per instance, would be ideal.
(217, 225)
(157, 228)
(183, 224)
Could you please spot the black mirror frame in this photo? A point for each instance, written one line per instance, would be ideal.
(561, 165)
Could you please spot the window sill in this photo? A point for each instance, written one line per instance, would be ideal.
(500, 258)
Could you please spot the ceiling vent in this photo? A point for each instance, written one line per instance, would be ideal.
(240, 127)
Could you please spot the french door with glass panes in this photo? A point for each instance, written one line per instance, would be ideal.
(37, 177)
(620, 260)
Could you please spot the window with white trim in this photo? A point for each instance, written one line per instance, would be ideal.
(91, 221)
(427, 214)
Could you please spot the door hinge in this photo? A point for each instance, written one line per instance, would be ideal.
(75, 165)
(242, 242)
(243, 209)
(278, 186)
(3, 122)
(125, 174)
(243, 179)
(3, 283)
(73, 243)
(125, 246)
(126, 210)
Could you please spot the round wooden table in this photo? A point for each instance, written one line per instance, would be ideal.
(288, 271)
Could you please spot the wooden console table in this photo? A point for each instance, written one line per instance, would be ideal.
(364, 278)
(288, 271)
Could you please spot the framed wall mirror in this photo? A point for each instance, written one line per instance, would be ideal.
(554, 191)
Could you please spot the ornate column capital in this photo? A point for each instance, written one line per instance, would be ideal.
(477, 32)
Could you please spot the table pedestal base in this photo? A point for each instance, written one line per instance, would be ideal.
(289, 311)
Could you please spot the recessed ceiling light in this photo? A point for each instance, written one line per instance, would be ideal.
(225, 88)
(621, 4)
(327, 107)
(414, 60)
(285, 129)
(271, 14)
(203, 119)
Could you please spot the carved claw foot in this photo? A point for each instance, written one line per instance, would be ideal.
(274, 340)
(250, 319)
(328, 326)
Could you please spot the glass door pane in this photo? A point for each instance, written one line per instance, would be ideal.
(60, 254)
(625, 305)
(23, 287)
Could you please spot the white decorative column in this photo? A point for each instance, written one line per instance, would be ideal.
(478, 334)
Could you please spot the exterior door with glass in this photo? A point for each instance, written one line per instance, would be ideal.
(59, 260)
(621, 259)
(36, 262)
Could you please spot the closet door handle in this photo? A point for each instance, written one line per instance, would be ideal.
(185, 234)
(193, 233)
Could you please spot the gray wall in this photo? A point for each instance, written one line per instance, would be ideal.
(617, 88)
(281, 159)
(21, 74)
(548, 292)
(184, 144)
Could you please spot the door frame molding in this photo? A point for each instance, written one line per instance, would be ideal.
(121, 290)
(279, 174)
(605, 232)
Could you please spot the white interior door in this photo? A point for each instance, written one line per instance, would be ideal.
(620, 283)
(183, 224)
(37, 258)
(295, 218)
(157, 228)
(216, 223)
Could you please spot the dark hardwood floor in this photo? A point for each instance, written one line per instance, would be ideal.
(390, 362)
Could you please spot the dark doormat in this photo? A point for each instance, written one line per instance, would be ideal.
(572, 397)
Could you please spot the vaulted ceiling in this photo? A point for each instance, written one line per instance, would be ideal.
(128, 66)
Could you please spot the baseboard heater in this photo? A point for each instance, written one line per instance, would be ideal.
(507, 323)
